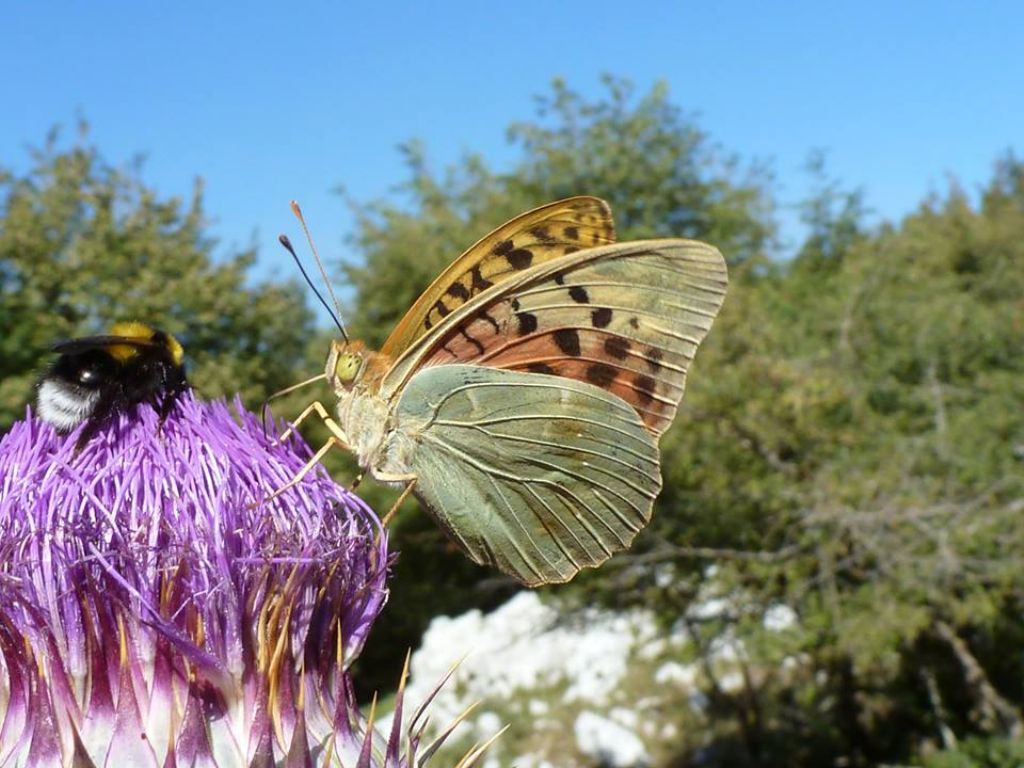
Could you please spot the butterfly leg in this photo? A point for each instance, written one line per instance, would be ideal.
(318, 407)
(410, 484)
(337, 439)
(398, 502)
(332, 442)
(410, 481)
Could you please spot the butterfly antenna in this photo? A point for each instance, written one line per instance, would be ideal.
(320, 265)
(283, 239)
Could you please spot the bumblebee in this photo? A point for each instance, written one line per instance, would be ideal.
(97, 377)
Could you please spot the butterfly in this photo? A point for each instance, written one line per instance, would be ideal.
(522, 396)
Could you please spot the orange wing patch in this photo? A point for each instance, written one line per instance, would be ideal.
(536, 237)
(627, 321)
(648, 378)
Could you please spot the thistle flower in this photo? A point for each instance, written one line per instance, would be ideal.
(156, 610)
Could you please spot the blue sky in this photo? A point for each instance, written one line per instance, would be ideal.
(268, 102)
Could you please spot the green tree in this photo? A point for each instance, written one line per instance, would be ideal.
(852, 454)
(84, 244)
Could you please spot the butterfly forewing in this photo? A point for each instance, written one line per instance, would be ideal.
(626, 318)
(526, 242)
(538, 475)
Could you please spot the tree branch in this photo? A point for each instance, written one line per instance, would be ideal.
(993, 711)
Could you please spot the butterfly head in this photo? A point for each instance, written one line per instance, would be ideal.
(345, 364)
(350, 366)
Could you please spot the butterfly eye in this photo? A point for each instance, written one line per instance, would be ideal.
(347, 367)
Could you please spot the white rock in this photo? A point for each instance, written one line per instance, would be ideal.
(531, 761)
(726, 648)
(537, 707)
(522, 646)
(684, 675)
(524, 650)
(628, 718)
(608, 742)
(712, 608)
(731, 682)
(664, 575)
(652, 649)
(487, 724)
(779, 617)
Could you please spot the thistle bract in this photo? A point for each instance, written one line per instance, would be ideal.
(157, 610)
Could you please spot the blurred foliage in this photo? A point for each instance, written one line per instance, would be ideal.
(851, 444)
(980, 753)
(84, 244)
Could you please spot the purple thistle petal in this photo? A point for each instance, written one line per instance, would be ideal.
(151, 599)
(193, 745)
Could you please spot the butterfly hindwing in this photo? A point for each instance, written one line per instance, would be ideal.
(525, 242)
(626, 318)
(537, 475)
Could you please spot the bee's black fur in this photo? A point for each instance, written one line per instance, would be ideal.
(101, 384)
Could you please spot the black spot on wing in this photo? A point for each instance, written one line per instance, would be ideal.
(600, 374)
(459, 291)
(527, 323)
(653, 358)
(542, 234)
(600, 318)
(503, 247)
(568, 340)
(541, 368)
(442, 308)
(479, 282)
(520, 258)
(579, 294)
(644, 388)
(572, 233)
(617, 347)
